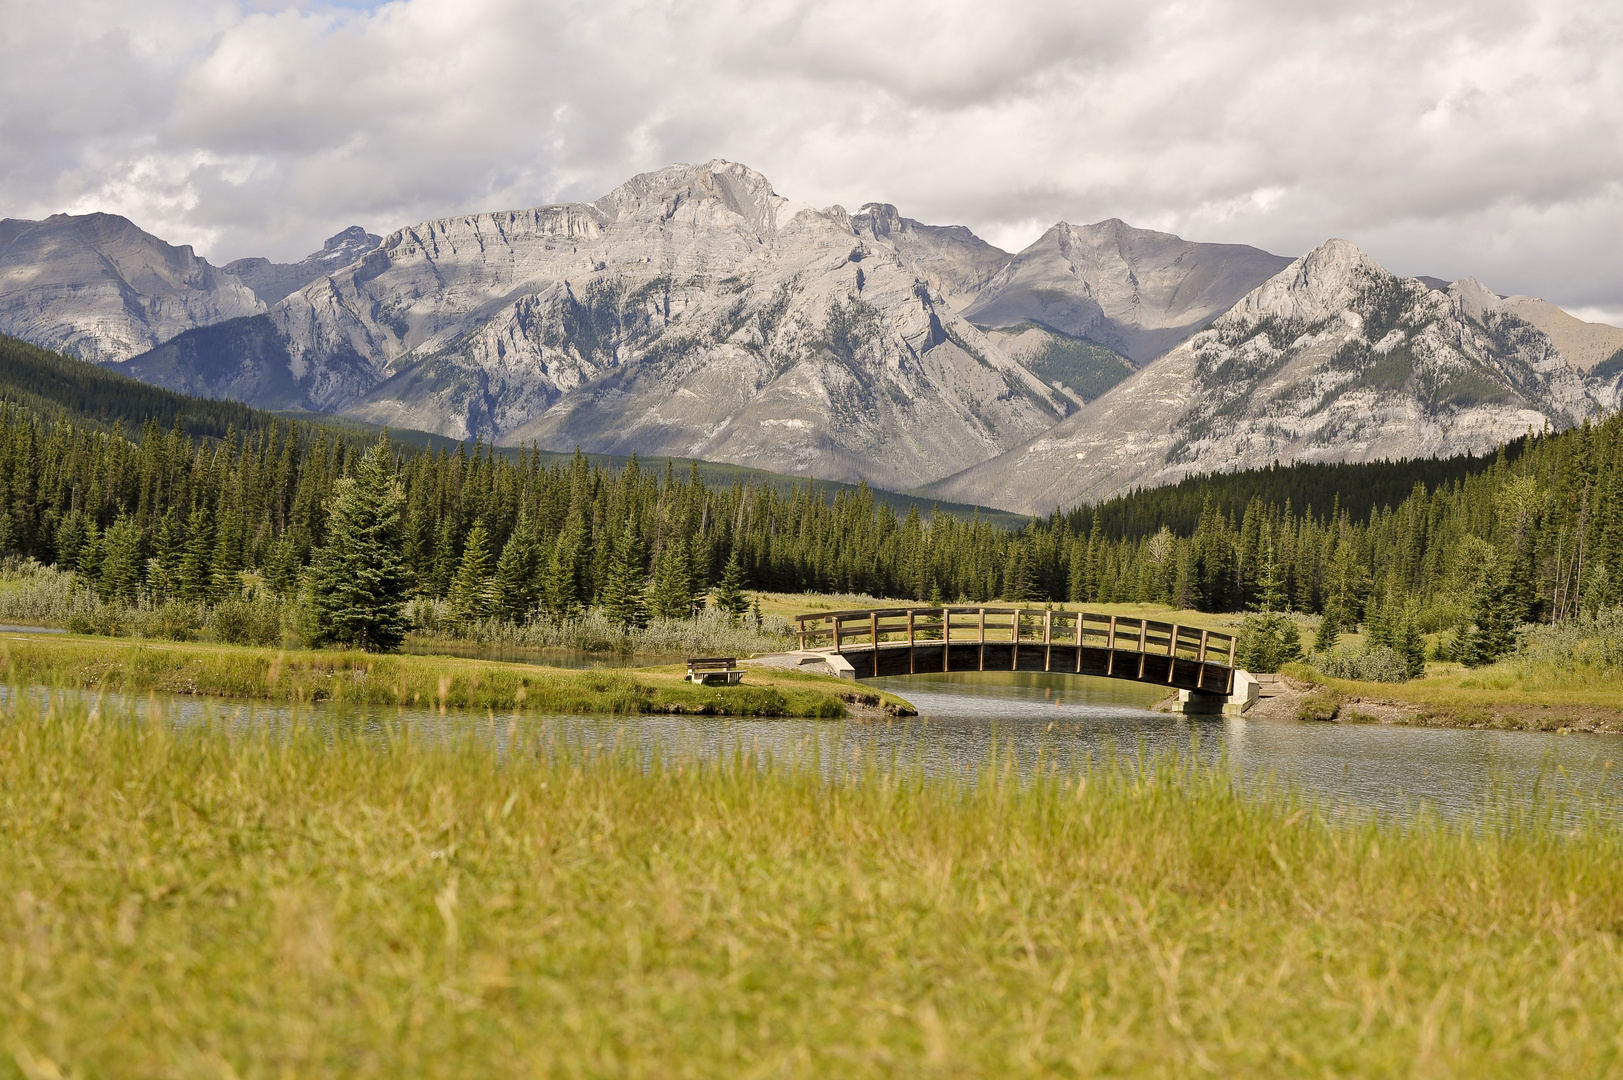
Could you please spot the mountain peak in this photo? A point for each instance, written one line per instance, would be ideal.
(714, 190)
(1319, 285)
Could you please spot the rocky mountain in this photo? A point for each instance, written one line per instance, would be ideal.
(273, 281)
(1586, 345)
(1331, 359)
(953, 261)
(691, 311)
(1137, 292)
(97, 287)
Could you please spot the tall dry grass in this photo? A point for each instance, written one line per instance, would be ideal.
(711, 633)
(205, 902)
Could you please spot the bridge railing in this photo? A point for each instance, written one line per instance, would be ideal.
(882, 627)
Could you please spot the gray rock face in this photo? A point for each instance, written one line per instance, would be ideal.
(1138, 292)
(273, 281)
(953, 261)
(691, 311)
(1331, 359)
(97, 287)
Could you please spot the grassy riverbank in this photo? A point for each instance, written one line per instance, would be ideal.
(305, 675)
(1514, 694)
(195, 903)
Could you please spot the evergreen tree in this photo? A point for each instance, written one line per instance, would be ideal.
(121, 561)
(358, 583)
(163, 574)
(671, 596)
(197, 560)
(518, 573)
(562, 586)
(282, 567)
(473, 593)
(70, 537)
(1270, 589)
(730, 592)
(1268, 641)
(1490, 629)
(1329, 631)
(445, 558)
(623, 600)
(226, 569)
(1409, 643)
(88, 562)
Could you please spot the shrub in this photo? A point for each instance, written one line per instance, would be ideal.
(1379, 664)
(172, 620)
(1593, 639)
(248, 622)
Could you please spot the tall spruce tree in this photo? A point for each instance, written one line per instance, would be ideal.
(358, 583)
(518, 572)
(121, 561)
(163, 574)
(730, 596)
(671, 596)
(88, 561)
(623, 592)
(562, 586)
(226, 571)
(473, 593)
(197, 560)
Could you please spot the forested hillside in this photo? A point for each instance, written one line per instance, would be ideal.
(1537, 533)
(48, 383)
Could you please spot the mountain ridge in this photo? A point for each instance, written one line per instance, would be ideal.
(1332, 359)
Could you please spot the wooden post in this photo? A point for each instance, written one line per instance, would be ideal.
(1200, 680)
(1143, 644)
(1110, 646)
(983, 638)
(912, 664)
(1233, 641)
(1014, 636)
(1172, 652)
(1080, 617)
(946, 639)
(1048, 639)
(800, 621)
(873, 632)
(836, 621)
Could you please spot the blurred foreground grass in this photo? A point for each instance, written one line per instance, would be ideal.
(202, 902)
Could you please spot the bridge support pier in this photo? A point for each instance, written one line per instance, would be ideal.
(1199, 703)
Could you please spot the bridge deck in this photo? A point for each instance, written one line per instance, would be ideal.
(913, 641)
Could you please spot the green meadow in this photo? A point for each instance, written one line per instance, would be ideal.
(202, 901)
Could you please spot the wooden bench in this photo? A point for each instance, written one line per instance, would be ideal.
(714, 670)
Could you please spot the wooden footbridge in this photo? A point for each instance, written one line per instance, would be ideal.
(914, 641)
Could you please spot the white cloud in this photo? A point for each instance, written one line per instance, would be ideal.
(1453, 137)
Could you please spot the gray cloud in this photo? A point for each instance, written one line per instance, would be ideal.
(1448, 137)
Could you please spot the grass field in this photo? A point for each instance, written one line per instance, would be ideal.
(303, 675)
(200, 904)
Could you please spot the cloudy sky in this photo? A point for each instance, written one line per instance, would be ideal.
(1448, 137)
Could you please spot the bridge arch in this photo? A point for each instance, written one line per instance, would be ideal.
(916, 641)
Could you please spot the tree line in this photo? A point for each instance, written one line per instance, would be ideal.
(1534, 534)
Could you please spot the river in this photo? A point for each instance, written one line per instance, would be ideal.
(967, 718)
